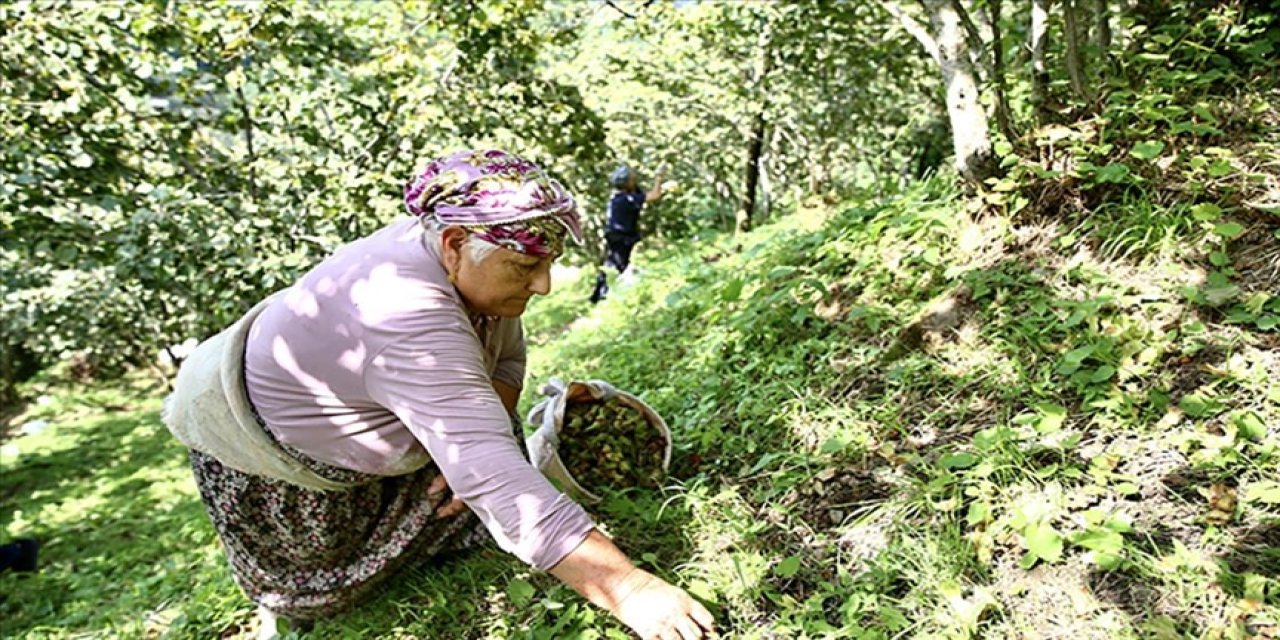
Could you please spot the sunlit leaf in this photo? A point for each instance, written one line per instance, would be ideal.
(1044, 541)
(1147, 149)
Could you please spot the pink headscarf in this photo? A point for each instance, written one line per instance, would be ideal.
(500, 197)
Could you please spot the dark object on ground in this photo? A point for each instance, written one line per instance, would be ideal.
(19, 555)
(602, 288)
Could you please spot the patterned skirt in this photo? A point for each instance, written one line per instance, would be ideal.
(309, 554)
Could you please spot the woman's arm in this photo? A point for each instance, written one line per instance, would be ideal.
(644, 602)
(510, 395)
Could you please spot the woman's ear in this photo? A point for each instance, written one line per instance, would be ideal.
(453, 241)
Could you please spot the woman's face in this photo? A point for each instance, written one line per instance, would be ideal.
(499, 285)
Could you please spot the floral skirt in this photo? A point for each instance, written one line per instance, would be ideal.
(309, 554)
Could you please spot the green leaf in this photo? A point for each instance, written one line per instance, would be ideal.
(1266, 492)
(1206, 212)
(1044, 541)
(1198, 405)
(1255, 588)
(520, 591)
(834, 444)
(1220, 168)
(1051, 417)
(733, 290)
(1103, 540)
(1219, 259)
(979, 512)
(1147, 149)
(1102, 374)
(1250, 427)
(788, 567)
(1114, 172)
(957, 460)
(1215, 295)
(1127, 489)
(1078, 355)
(1228, 230)
(1120, 524)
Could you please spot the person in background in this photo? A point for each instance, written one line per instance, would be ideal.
(623, 229)
(359, 422)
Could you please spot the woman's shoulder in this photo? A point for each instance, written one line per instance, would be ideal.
(390, 273)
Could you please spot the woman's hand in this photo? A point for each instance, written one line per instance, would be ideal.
(657, 610)
(437, 491)
(652, 608)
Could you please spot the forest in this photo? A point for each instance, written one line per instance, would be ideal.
(964, 314)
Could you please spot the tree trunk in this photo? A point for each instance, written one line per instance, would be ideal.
(1075, 61)
(997, 72)
(1039, 43)
(754, 149)
(1103, 32)
(755, 144)
(970, 133)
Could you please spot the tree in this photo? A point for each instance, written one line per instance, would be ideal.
(945, 41)
(1039, 44)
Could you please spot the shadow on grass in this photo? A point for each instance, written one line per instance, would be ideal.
(121, 530)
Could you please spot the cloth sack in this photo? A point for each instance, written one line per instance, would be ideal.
(548, 417)
(209, 410)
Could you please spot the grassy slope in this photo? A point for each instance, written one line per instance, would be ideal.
(877, 416)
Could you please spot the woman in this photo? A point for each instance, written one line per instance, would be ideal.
(623, 229)
(327, 424)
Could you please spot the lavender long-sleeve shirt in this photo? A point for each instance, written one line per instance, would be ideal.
(370, 363)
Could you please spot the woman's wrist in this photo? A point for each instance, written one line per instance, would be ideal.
(599, 571)
(622, 588)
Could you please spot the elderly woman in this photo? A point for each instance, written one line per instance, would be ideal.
(329, 424)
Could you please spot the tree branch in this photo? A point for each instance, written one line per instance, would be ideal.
(913, 27)
(248, 141)
(972, 37)
(620, 9)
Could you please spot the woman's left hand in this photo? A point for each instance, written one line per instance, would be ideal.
(437, 492)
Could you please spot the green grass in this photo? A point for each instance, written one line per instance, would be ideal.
(891, 421)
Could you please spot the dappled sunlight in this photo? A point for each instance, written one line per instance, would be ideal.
(950, 346)
(968, 355)
(723, 559)
(819, 425)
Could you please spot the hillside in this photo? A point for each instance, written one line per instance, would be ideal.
(890, 418)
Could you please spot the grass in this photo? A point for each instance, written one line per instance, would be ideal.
(884, 430)
(892, 420)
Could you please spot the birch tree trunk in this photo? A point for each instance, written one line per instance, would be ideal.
(970, 133)
(1039, 43)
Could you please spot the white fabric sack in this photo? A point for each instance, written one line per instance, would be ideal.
(548, 416)
(209, 411)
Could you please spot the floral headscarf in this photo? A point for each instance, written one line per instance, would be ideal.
(499, 197)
